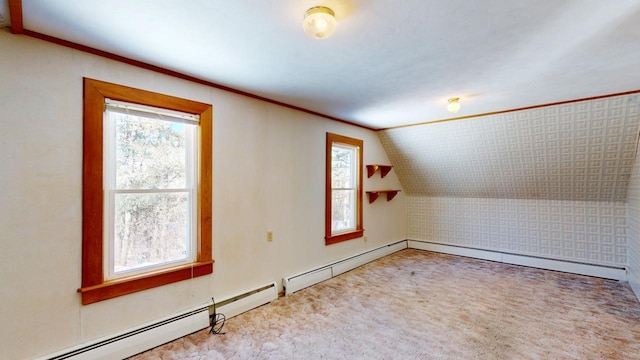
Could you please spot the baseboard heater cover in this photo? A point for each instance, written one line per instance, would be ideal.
(300, 281)
(248, 300)
(536, 262)
(159, 332)
(634, 282)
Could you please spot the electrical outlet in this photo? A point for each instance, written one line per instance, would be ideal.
(365, 239)
(269, 236)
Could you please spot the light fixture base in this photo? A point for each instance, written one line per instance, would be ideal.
(319, 22)
(454, 105)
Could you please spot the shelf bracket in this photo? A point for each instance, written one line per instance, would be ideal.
(374, 195)
(384, 170)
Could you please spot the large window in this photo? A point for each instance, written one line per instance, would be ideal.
(146, 190)
(343, 208)
(150, 188)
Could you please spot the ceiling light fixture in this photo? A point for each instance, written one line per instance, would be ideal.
(319, 22)
(454, 105)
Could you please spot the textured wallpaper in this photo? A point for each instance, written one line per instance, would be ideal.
(578, 151)
(633, 220)
(592, 232)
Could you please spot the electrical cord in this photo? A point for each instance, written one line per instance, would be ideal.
(217, 321)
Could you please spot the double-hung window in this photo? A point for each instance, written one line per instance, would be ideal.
(343, 206)
(146, 190)
(150, 188)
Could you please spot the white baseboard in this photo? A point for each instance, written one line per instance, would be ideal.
(634, 282)
(300, 281)
(541, 263)
(148, 336)
(353, 262)
(138, 339)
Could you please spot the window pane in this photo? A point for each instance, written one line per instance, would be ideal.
(150, 154)
(343, 209)
(342, 165)
(150, 229)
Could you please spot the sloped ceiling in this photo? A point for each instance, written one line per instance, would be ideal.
(389, 63)
(578, 151)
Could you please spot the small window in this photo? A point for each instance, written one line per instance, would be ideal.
(343, 210)
(146, 190)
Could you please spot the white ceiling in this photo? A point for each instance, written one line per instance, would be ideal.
(389, 63)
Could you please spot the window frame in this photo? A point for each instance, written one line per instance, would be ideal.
(94, 286)
(330, 237)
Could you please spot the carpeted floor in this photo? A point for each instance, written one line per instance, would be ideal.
(423, 305)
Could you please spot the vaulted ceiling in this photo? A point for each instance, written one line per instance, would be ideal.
(389, 63)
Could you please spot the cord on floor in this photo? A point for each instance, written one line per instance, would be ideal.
(216, 321)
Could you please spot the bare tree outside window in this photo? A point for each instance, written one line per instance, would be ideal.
(151, 195)
(344, 186)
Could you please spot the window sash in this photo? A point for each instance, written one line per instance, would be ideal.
(350, 206)
(111, 190)
(347, 222)
(151, 112)
(351, 152)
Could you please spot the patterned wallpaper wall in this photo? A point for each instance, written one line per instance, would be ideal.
(592, 232)
(577, 151)
(633, 220)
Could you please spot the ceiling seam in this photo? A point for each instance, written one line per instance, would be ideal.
(513, 110)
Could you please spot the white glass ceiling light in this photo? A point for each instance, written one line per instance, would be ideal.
(319, 22)
(454, 105)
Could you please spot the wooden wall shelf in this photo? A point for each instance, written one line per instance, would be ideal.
(384, 169)
(373, 195)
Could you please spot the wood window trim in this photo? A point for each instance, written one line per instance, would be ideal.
(94, 287)
(359, 231)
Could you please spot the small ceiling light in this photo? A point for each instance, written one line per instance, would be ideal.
(319, 22)
(454, 105)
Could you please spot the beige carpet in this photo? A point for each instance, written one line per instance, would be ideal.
(423, 305)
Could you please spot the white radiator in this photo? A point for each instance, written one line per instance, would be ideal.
(159, 332)
(300, 281)
(602, 271)
(248, 300)
(634, 282)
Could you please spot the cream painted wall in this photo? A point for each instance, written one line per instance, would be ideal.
(268, 175)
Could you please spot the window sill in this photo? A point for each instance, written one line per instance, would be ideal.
(115, 288)
(344, 237)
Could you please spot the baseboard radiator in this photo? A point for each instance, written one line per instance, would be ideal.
(248, 300)
(634, 282)
(524, 260)
(159, 332)
(300, 281)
